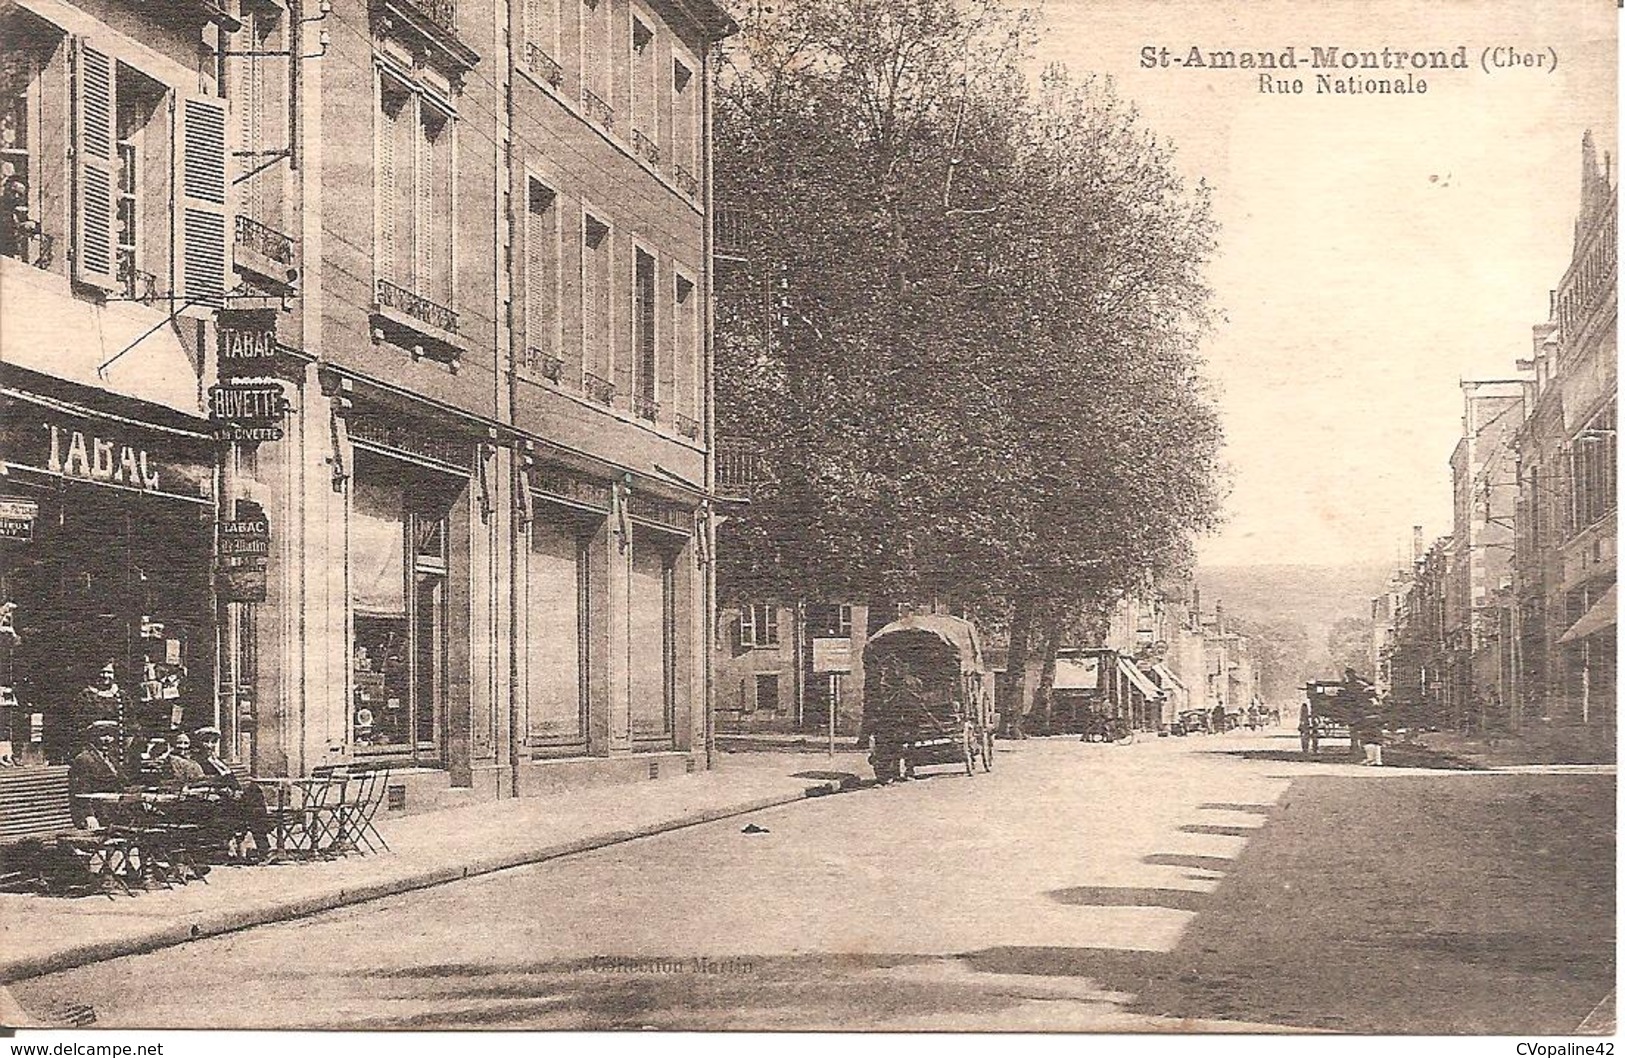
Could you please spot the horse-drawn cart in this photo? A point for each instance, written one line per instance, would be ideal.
(927, 697)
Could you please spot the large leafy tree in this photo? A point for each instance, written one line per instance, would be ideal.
(963, 334)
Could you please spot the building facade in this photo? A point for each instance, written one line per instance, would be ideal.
(400, 310)
(1565, 569)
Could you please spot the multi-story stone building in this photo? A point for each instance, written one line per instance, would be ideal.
(356, 366)
(1567, 501)
(1477, 590)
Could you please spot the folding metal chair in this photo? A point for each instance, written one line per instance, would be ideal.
(369, 791)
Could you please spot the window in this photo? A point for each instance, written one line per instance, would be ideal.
(651, 614)
(23, 234)
(685, 128)
(759, 626)
(595, 62)
(400, 556)
(542, 40)
(258, 80)
(1593, 458)
(596, 333)
(542, 282)
(688, 370)
(643, 87)
(414, 198)
(644, 390)
(767, 692)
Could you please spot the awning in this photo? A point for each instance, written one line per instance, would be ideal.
(1600, 617)
(1166, 675)
(1077, 674)
(1141, 681)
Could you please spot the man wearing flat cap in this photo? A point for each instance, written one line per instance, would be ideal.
(95, 770)
(246, 800)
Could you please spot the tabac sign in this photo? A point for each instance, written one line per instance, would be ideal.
(244, 552)
(247, 343)
(82, 454)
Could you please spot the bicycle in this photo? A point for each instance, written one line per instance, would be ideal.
(1114, 729)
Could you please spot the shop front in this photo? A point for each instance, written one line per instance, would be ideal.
(107, 531)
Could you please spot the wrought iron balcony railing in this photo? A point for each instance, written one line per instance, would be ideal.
(265, 240)
(647, 148)
(601, 390)
(543, 65)
(541, 362)
(24, 241)
(729, 225)
(137, 285)
(646, 407)
(741, 466)
(597, 109)
(688, 427)
(686, 182)
(416, 306)
(442, 13)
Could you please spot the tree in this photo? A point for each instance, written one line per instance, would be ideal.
(965, 333)
(1348, 643)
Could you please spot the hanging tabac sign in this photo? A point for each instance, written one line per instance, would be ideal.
(244, 552)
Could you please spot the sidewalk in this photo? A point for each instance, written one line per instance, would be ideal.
(40, 935)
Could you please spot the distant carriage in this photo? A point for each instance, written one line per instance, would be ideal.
(927, 697)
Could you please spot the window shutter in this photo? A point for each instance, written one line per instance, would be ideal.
(95, 170)
(384, 208)
(200, 208)
(424, 217)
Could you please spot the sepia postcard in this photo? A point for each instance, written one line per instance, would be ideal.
(823, 517)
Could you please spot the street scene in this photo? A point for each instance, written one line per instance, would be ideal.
(808, 516)
(1227, 889)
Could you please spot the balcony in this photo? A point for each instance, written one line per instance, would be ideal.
(535, 361)
(414, 322)
(686, 181)
(646, 407)
(134, 284)
(442, 13)
(741, 467)
(645, 148)
(266, 253)
(543, 66)
(729, 227)
(600, 390)
(23, 240)
(596, 109)
(688, 427)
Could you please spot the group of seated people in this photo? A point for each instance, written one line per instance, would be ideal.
(178, 763)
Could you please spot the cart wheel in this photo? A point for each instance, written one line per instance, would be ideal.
(987, 751)
(1124, 733)
(969, 745)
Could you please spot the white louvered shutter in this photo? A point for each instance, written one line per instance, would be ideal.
(95, 169)
(201, 232)
(424, 218)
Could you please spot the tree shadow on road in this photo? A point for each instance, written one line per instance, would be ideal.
(1128, 896)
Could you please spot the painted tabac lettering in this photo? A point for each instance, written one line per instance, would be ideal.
(75, 454)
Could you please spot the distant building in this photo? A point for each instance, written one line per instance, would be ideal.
(1477, 589)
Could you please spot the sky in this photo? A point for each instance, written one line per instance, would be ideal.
(1375, 250)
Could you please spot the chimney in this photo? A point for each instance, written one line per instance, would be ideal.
(1416, 543)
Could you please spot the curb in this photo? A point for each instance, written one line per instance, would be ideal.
(214, 924)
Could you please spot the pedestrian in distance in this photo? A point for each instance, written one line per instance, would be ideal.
(1308, 731)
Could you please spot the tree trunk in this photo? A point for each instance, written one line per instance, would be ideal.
(1012, 690)
(1046, 678)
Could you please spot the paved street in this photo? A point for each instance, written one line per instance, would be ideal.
(1076, 887)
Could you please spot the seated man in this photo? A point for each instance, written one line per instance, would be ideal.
(166, 769)
(94, 771)
(244, 802)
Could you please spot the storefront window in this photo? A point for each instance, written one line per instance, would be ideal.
(399, 528)
(555, 641)
(652, 627)
(96, 574)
